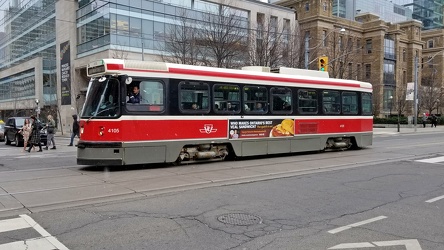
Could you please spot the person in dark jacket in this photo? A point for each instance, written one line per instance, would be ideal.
(34, 139)
(135, 96)
(75, 129)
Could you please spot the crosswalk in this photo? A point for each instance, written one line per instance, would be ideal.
(438, 159)
(44, 242)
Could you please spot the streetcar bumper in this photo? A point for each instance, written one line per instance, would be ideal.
(100, 153)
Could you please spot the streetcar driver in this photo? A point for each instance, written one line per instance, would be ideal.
(135, 96)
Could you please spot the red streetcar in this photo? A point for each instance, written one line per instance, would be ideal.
(151, 112)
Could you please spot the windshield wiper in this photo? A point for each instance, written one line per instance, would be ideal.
(101, 111)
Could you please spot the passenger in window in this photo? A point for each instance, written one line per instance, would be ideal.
(286, 106)
(259, 107)
(230, 107)
(194, 106)
(216, 107)
(135, 96)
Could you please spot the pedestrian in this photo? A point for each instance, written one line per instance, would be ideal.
(26, 132)
(434, 120)
(75, 129)
(424, 120)
(50, 129)
(35, 135)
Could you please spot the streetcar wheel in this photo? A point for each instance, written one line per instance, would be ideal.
(177, 162)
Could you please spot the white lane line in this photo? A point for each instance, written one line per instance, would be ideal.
(340, 229)
(353, 245)
(435, 199)
(31, 244)
(13, 224)
(411, 244)
(44, 233)
(432, 160)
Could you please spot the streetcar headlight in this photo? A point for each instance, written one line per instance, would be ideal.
(101, 130)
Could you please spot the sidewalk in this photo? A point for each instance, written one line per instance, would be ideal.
(406, 129)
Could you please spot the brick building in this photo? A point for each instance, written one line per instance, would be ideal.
(373, 50)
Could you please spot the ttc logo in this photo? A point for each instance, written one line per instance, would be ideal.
(208, 129)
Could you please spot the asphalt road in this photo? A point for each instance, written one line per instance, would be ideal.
(388, 196)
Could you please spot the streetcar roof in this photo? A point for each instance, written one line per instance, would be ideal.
(249, 74)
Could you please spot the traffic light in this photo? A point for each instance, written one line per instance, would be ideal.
(323, 63)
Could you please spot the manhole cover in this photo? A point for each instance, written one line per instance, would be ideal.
(239, 219)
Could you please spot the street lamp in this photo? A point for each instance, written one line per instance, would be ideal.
(307, 49)
(390, 104)
(37, 110)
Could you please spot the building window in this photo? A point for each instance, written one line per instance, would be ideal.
(358, 44)
(430, 44)
(324, 6)
(350, 70)
(358, 72)
(368, 71)
(324, 38)
(389, 48)
(307, 6)
(389, 73)
(368, 46)
(404, 55)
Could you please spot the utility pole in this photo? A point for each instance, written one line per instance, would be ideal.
(415, 96)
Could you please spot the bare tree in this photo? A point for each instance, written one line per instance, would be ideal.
(266, 43)
(223, 36)
(343, 56)
(180, 41)
(292, 49)
(118, 52)
(430, 93)
(400, 99)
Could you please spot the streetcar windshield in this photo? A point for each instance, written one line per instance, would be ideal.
(102, 99)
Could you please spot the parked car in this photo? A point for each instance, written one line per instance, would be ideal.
(2, 131)
(12, 128)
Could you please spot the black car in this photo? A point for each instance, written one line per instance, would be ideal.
(2, 131)
(12, 128)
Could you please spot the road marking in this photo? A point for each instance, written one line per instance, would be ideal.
(432, 160)
(13, 224)
(409, 244)
(340, 229)
(435, 199)
(45, 242)
(44, 233)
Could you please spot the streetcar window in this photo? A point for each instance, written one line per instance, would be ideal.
(367, 104)
(331, 102)
(226, 98)
(307, 101)
(151, 96)
(349, 103)
(255, 99)
(102, 99)
(281, 100)
(194, 97)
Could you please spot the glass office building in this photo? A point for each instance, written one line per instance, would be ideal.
(386, 10)
(429, 12)
(34, 34)
(27, 32)
(135, 24)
